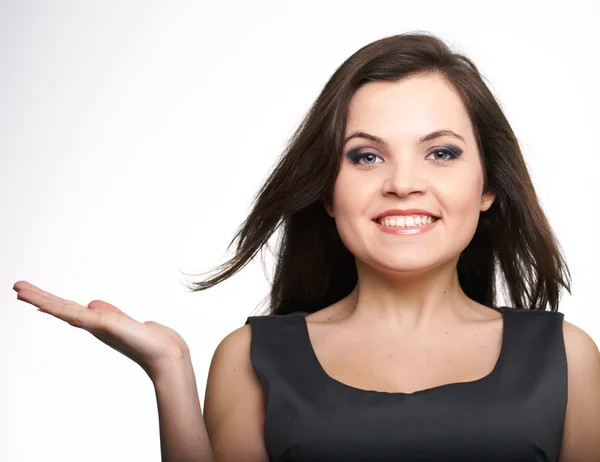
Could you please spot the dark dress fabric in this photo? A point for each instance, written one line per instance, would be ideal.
(516, 413)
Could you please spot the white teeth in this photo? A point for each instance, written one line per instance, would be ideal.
(406, 221)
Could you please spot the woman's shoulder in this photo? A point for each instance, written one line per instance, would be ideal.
(237, 342)
(572, 333)
(575, 337)
(234, 348)
(582, 417)
(533, 312)
(234, 402)
(580, 346)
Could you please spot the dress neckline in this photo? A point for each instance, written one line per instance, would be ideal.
(319, 367)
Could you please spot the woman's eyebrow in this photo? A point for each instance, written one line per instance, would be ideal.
(423, 139)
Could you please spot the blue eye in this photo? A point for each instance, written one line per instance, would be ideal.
(369, 158)
(356, 156)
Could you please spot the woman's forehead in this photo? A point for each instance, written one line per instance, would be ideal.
(407, 109)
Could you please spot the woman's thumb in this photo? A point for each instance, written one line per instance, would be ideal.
(100, 305)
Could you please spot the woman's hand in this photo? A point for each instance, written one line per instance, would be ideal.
(153, 346)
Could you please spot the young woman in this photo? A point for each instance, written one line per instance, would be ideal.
(403, 201)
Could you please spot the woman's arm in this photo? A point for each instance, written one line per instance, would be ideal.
(183, 436)
(234, 408)
(581, 439)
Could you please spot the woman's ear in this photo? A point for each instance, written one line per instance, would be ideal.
(487, 199)
(329, 207)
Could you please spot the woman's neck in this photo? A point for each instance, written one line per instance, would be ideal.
(412, 301)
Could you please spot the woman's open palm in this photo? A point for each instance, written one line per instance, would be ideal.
(153, 346)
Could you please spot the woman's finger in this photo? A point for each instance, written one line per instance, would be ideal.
(45, 301)
(71, 312)
(96, 304)
(24, 285)
(104, 306)
(42, 301)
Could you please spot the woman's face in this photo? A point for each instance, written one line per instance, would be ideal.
(442, 175)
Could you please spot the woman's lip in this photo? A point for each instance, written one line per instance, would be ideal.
(398, 230)
(404, 212)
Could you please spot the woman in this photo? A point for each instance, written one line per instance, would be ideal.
(403, 197)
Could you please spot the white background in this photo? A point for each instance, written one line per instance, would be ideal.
(134, 135)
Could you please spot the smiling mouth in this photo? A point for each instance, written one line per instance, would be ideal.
(408, 221)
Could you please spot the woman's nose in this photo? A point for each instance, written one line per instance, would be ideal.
(404, 178)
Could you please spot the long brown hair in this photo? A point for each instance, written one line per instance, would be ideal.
(314, 269)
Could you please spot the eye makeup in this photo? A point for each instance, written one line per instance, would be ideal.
(452, 151)
(356, 155)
